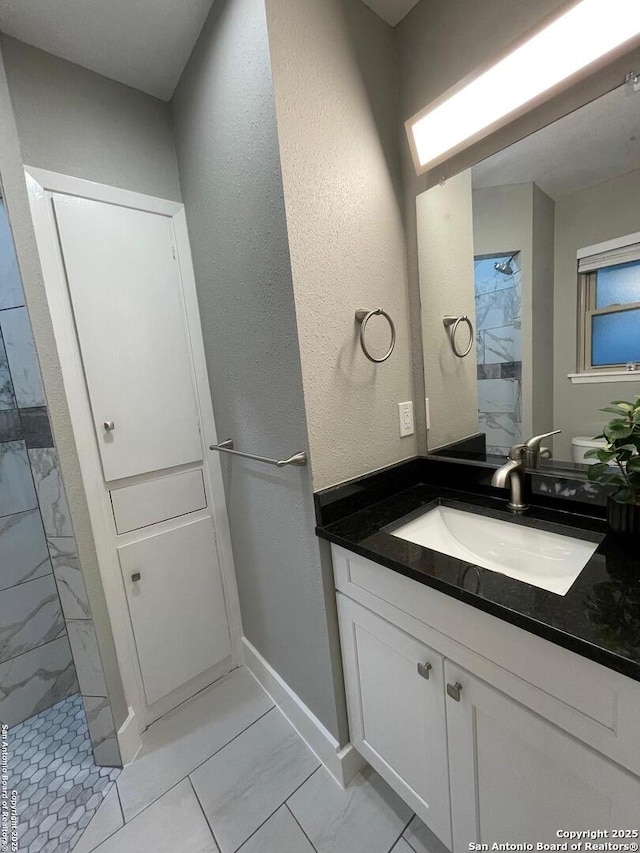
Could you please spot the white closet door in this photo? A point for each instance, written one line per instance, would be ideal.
(127, 300)
(177, 608)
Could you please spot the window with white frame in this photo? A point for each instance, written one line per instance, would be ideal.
(609, 307)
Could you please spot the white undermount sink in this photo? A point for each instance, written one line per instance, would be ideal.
(550, 561)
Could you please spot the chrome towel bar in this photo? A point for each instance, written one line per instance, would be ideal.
(227, 447)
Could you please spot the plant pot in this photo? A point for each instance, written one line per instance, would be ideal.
(624, 519)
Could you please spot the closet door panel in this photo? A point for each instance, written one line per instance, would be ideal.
(126, 294)
(176, 601)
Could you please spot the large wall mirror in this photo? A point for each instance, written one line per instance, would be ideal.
(539, 246)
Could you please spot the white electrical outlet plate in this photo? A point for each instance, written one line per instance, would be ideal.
(405, 414)
(428, 413)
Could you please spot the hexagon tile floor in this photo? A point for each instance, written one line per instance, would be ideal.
(59, 786)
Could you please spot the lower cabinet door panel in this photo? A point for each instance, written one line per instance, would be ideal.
(177, 605)
(517, 778)
(397, 715)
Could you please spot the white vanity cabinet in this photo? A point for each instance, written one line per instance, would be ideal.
(517, 777)
(510, 739)
(395, 689)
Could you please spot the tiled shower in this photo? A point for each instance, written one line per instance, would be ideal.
(49, 655)
(498, 296)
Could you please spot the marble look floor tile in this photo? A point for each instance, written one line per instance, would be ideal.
(488, 371)
(36, 680)
(495, 309)
(51, 494)
(11, 294)
(58, 784)
(107, 820)
(421, 839)
(30, 616)
(280, 833)
(367, 817)
(497, 395)
(23, 548)
(36, 427)
(68, 575)
(173, 823)
(86, 657)
(244, 783)
(102, 730)
(501, 428)
(503, 344)
(17, 493)
(7, 400)
(22, 358)
(10, 425)
(184, 738)
(400, 847)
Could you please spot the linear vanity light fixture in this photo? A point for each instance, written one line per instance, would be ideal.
(476, 107)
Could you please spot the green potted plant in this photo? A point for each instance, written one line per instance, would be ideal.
(618, 465)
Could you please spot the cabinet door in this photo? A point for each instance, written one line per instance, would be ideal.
(397, 715)
(177, 606)
(126, 293)
(517, 778)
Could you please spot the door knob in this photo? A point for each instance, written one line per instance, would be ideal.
(109, 426)
(135, 577)
(424, 669)
(454, 691)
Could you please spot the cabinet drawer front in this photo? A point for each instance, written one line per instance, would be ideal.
(596, 704)
(158, 500)
(397, 711)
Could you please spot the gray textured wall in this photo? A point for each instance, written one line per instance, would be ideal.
(542, 313)
(336, 100)
(228, 155)
(438, 44)
(73, 121)
(445, 225)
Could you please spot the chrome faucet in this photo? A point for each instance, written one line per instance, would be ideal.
(511, 474)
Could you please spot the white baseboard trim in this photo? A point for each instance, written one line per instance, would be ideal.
(342, 762)
(129, 739)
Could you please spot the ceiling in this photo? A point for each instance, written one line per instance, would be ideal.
(391, 11)
(591, 145)
(142, 43)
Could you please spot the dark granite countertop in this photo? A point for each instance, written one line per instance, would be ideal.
(598, 618)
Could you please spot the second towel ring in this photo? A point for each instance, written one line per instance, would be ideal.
(451, 325)
(363, 316)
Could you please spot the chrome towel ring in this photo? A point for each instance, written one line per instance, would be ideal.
(363, 316)
(451, 324)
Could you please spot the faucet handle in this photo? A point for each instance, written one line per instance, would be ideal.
(533, 445)
(517, 452)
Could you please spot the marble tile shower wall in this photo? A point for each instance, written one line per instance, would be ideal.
(48, 646)
(499, 348)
